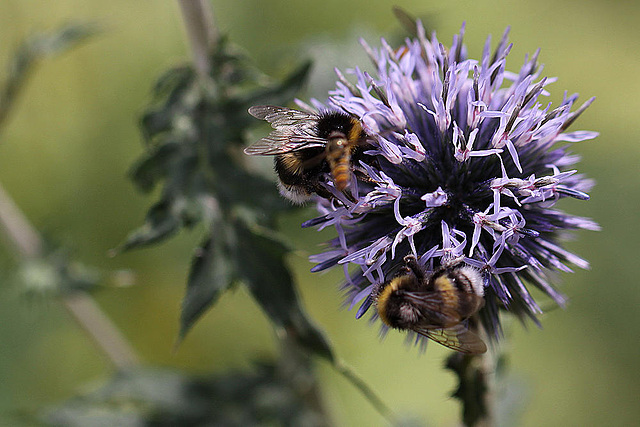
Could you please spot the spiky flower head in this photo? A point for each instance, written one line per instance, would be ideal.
(469, 162)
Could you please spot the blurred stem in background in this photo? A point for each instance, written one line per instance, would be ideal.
(31, 51)
(202, 33)
(17, 229)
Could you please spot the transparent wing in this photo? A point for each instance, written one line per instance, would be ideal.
(294, 130)
(433, 306)
(283, 140)
(457, 338)
(281, 116)
(443, 308)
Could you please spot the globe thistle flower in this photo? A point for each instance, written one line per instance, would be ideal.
(469, 163)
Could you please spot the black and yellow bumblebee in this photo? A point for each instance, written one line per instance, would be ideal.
(308, 145)
(436, 305)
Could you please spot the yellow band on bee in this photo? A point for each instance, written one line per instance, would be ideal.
(356, 130)
(383, 299)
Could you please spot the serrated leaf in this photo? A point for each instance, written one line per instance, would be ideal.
(160, 223)
(237, 187)
(203, 121)
(131, 398)
(189, 134)
(261, 265)
(154, 122)
(211, 274)
(180, 102)
(173, 80)
(154, 166)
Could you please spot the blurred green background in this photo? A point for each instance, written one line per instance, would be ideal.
(70, 140)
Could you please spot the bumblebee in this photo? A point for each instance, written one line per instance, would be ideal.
(306, 146)
(436, 306)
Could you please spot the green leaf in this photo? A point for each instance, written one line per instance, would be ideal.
(161, 222)
(154, 165)
(163, 398)
(177, 94)
(235, 187)
(54, 273)
(173, 81)
(154, 122)
(131, 398)
(211, 274)
(34, 49)
(189, 131)
(260, 263)
(62, 39)
(473, 388)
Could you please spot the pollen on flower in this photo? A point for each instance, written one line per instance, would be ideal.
(465, 160)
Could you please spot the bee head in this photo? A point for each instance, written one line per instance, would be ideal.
(392, 307)
(336, 141)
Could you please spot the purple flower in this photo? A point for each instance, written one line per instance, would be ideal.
(467, 161)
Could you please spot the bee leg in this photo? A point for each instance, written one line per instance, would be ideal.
(361, 175)
(349, 196)
(321, 191)
(413, 267)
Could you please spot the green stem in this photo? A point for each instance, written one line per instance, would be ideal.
(476, 386)
(295, 366)
(28, 243)
(366, 391)
(201, 31)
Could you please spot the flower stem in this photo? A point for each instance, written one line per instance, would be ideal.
(295, 366)
(366, 391)
(28, 243)
(201, 32)
(476, 386)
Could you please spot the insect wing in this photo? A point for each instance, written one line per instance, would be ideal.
(433, 306)
(469, 304)
(281, 141)
(281, 116)
(293, 131)
(457, 338)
